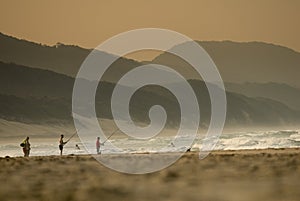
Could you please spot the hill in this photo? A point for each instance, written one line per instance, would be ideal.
(237, 62)
(243, 62)
(63, 59)
(35, 95)
(284, 93)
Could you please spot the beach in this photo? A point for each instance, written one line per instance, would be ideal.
(244, 175)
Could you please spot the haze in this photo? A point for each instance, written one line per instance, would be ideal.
(89, 23)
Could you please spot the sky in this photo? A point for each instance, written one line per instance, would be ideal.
(88, 23)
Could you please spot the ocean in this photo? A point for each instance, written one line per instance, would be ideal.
(229, 141)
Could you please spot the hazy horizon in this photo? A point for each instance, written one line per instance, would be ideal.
(143, 55)
(86, 24)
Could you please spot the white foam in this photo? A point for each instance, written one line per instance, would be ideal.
(232, 141)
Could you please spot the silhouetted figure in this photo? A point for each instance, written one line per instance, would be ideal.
(26, 147)
(61, 144)
(98, 144)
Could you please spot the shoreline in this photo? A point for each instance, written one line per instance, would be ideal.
(214, 152)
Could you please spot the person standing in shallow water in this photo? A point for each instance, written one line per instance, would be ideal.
(61, 144)
(26, 148)
(98, 145)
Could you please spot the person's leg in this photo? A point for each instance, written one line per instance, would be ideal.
(24, 151)
(60, 148)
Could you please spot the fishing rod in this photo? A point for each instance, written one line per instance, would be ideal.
(71, 137)
(110, 135)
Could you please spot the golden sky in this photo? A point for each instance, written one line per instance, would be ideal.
(88, 23)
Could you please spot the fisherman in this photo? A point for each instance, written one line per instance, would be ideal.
(26, 147)
(98, 145)
(61, 144)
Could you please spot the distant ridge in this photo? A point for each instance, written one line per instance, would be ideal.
(40, 96)
(238, 62)
(60, 58)
(36, 83)
(284, 93)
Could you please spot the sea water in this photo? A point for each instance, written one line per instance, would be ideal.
(229, 141)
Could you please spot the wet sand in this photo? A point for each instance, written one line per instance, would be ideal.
(222, 176)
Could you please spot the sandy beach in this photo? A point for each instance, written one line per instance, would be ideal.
(223, 175)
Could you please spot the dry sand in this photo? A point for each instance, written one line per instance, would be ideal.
(222, 176)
